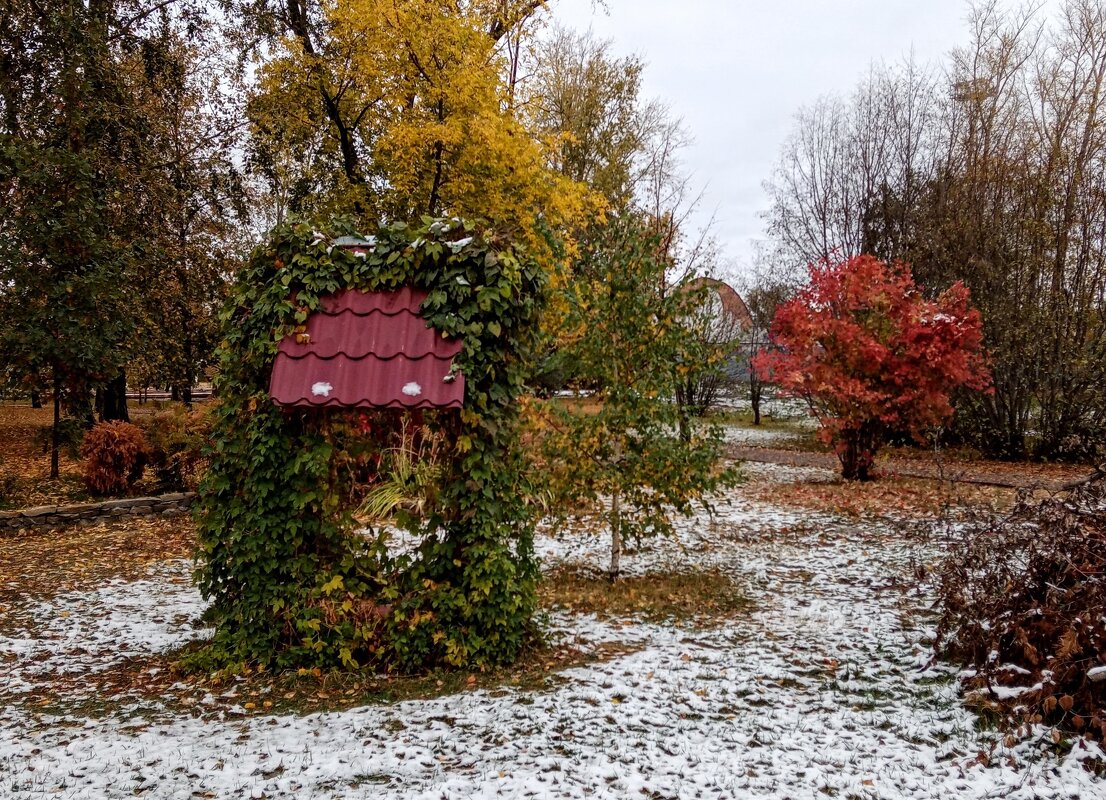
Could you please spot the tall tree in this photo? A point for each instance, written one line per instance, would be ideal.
(400, 110)
(92, 98)
(994, 179)
(589, 104)
(65, 249)
(854, 167)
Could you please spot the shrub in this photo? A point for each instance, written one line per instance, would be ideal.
(177, 438)
(1023, 603)
(115, 455)
(9, 484)
(871, 356)
(409, 476)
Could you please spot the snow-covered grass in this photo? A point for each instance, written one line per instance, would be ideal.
(783, 408)
(821, 691)
(79, 633)
(760, 437)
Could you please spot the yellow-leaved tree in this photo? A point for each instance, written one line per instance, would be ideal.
(399, 109)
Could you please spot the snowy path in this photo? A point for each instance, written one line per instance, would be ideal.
(818, 693)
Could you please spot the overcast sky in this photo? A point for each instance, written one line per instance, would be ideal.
(737, 71)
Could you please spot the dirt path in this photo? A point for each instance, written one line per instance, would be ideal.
(1050, 477)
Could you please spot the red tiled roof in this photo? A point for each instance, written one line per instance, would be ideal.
(368, 350)
(733, 307)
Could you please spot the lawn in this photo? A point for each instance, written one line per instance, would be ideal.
(777, 649)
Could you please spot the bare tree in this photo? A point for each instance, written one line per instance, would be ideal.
(854, 167)
(764, 292)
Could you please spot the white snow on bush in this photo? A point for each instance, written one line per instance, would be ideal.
(820, 691)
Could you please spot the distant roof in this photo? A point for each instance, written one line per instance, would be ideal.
(368, 350)
(732, 304)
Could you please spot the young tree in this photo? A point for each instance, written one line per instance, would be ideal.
(763, 296)
(618, 457)
(869, 354)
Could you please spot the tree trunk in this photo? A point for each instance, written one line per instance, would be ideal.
(616, 538)
(856, 451)
(853, 467)
(754, 401)
(114, 395)
(55, 434)
(36, 400)
(616, 520)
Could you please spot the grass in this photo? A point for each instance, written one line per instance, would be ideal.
(308, 691)
(41, 565)
(149, 688)
(921, 498)
(744, 419)
(36, 564)
(698, 597)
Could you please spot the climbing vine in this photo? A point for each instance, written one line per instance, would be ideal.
(291, 580)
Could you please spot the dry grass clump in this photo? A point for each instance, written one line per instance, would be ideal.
(694, 596)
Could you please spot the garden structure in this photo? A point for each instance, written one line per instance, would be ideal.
(330, 337)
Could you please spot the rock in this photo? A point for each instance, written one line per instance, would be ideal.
(130, 502)
(39, 511)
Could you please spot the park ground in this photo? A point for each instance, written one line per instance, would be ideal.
(779, 647)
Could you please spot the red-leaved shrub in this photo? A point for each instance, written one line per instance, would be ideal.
(871, 355)
(115, 454)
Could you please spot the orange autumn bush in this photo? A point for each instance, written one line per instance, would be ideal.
(115, 455)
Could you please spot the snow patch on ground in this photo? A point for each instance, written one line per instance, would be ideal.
(759, 437)
(87, 632)
(789, 408)
(821, 691)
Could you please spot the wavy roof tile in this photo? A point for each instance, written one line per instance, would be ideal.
(368, 350)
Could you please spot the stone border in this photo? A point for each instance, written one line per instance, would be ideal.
(88, 513)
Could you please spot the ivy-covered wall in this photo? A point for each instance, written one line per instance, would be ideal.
(292, 583)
